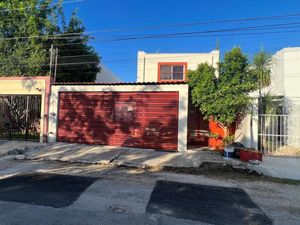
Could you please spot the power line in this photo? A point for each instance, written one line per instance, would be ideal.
(272, 26)
(30, 7)
(269, 40)
(200, 35)
(72, 56)
(77, 63)
(159, 56)
(127, 29)
(284, 16)
(59, 64)
(192, 55)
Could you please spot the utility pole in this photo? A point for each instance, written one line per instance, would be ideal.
(55, 66)
(51, 60)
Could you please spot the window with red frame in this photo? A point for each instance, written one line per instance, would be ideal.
(171, 72)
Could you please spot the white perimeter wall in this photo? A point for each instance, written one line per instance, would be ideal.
(247, 132)
(182, 89)
(147, 64)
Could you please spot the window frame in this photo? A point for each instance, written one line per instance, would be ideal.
(184, 64)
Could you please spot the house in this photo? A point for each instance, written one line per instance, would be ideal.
(20, 95)
(154, 113)
(107, 76)
(143, 115)
(173, 67)
(286, 79)
(280, 126)
(162, 67)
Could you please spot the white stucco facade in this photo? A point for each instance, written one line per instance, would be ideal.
(285, 83)
(291, 83)
(182, 89)
(285, 79)
(147, 63)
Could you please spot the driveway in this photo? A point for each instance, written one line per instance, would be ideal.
(63, 193)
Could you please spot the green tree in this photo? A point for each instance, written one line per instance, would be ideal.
(261, 67)
(42, 19)
(21, 19)
(224, 98)
(76, 50)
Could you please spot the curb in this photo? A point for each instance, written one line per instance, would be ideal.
(205, 166)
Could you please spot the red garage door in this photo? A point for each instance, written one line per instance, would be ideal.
(135, 119)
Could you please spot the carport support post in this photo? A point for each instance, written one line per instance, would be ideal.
(183, 118)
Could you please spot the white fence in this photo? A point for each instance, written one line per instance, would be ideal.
(277, 131)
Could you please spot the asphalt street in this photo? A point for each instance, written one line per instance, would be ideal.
(47, 193)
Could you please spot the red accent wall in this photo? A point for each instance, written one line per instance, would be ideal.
(134, 119)
(215, 143)
(198, 128)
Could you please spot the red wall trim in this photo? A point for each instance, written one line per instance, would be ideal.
(173, 64)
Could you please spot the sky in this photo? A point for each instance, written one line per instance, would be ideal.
(114, 17)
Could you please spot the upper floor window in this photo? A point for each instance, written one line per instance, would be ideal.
(172, 71)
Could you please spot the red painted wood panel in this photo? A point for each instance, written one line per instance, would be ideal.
(134, 119)
(198, 128)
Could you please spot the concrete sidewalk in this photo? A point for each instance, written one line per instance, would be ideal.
(279, 167)
(119, 156)
(123, 156)
(18, 147)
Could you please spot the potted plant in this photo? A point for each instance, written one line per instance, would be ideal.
(228, 148)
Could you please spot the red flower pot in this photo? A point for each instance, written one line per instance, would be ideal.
(247, 155)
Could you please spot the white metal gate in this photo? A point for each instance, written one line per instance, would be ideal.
(276, 131)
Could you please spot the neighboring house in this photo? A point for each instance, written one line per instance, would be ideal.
(20, 95)
(162, 67)
(282, 128)
(107, 76)
(286, 79)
